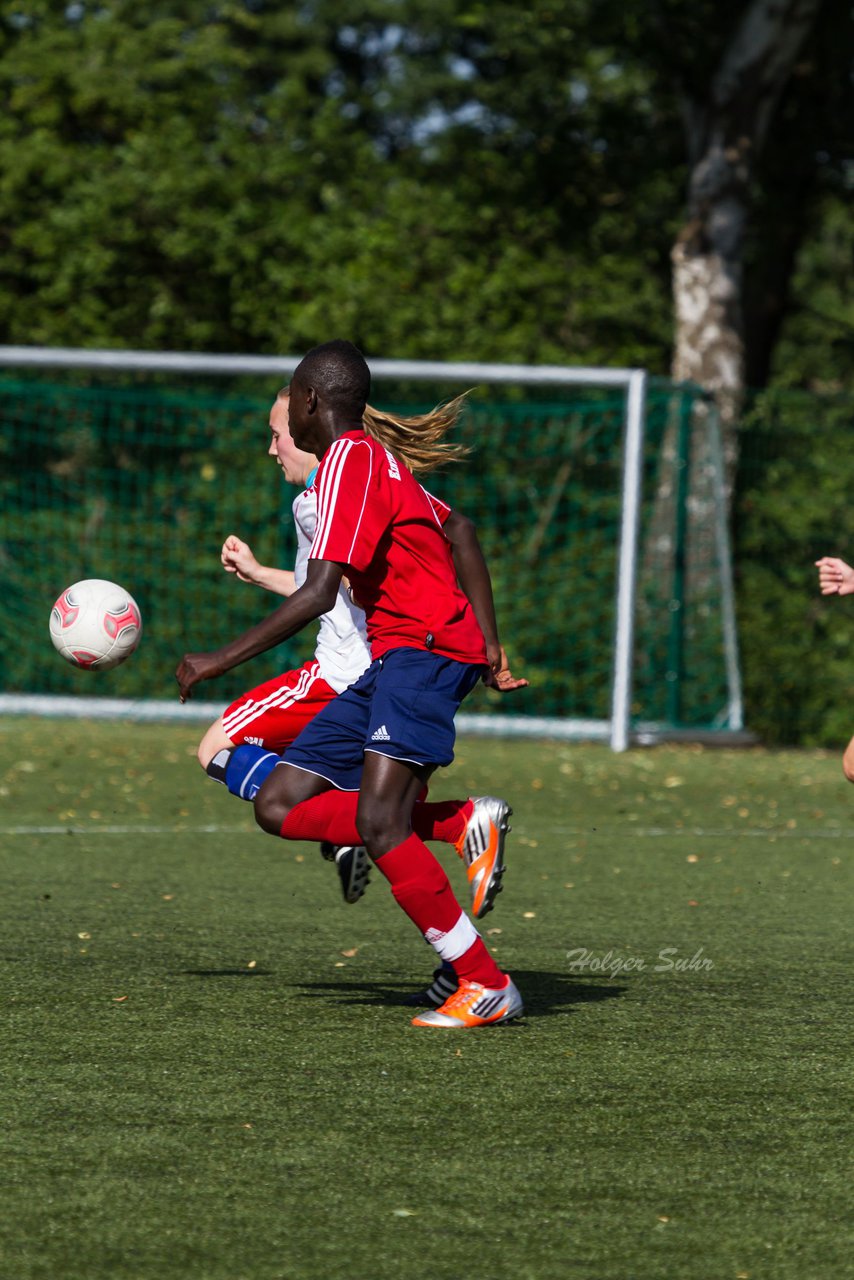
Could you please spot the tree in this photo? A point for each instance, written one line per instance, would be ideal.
(156, 161)
(433, 177)
(726, 128)
(799, 311)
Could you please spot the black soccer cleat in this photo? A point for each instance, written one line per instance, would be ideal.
(353, 866)
(444, 984)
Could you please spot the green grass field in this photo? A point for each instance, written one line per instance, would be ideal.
(208, 1073)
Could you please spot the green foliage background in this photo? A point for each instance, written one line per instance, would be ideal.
(432, 179)
(793, 506)
(428, 177)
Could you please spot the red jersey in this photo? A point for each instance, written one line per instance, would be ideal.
(374, 517)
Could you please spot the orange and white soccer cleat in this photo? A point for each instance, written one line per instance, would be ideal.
(473, 1005)
(481, 847)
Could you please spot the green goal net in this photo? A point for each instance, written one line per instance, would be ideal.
(140, 478)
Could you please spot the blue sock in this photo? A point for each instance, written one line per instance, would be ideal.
(243, 769)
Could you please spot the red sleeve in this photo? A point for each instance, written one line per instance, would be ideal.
(347, 528)
(441, 510)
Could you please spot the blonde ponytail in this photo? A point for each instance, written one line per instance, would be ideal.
(418, 439)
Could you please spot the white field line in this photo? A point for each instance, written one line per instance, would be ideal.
(711, 833)
(130, 830)
(643, 833)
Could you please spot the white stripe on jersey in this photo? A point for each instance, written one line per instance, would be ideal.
(434, 503)
(327, 495)
(249, 711)
(329, 461)
(362, 511)
(342, 646)
(331, 485)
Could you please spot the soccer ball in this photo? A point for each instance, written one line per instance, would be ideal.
(95, 624)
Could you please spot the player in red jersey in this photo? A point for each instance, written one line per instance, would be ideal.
(274, 713)
(431, 642)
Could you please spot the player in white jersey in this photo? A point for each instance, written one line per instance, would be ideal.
(265, 715)
(274, 713)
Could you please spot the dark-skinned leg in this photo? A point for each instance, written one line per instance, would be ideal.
(298, 805)
(387, 797)
(419, 885)
(383, 807)
(389, 811)
(293, 801)
(284, 789)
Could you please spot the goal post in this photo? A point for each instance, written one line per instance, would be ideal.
(599, 463)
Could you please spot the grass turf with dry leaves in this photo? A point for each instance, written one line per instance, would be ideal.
(208, 1073)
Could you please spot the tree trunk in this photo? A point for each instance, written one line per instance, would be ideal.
(724, 134)
(725, 131)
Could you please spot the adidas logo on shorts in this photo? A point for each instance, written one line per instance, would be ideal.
(381, 735)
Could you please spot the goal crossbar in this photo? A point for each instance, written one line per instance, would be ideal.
(237, 365)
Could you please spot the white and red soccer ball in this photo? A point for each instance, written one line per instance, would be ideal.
(95, 624)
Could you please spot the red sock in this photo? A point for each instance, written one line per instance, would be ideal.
(422, 889)
(476, 962)
(329, 816)
(443, 820)
(332, 816)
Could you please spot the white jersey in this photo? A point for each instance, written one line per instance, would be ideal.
(342, 641)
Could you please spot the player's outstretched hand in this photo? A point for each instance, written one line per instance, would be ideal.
(237, 557)
(193, 668)
(835, 577)
(499, 676)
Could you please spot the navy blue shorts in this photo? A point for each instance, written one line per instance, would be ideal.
(403, 706)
